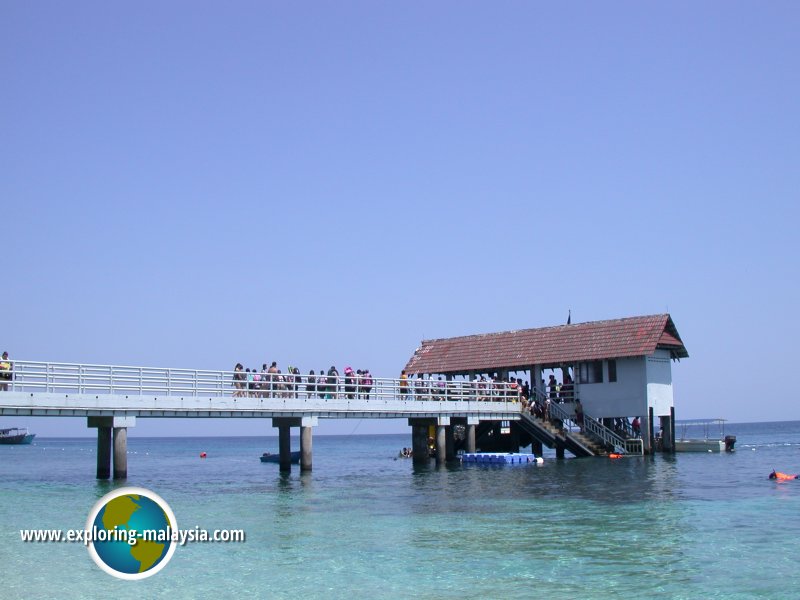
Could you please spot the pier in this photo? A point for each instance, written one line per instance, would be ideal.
(112, 398)
(457, 394)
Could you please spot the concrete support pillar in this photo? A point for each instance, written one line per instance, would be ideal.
(108, 446)
(559, 450)
(536, 447)
(120, 453)
(103, 452)
(649, 431)
(450, 443)
(514, 440)
(672, 427)
(419, 444)
(441, 445)
(305, 448)
(285, 448)
(536, 378)
(667, 434)
(471, 445)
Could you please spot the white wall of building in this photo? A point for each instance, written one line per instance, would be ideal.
(625, 397)
(642, 382)
(659, 382)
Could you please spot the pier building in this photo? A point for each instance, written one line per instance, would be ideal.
(619, 369)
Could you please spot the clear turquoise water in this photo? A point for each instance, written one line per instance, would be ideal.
(364, 524)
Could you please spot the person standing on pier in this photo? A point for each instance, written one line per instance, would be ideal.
(420, 388)
(272, 380)
(366, 382)
(311, 384)
(238, 378)
(333, 383)
(565, 393)
(349, 380)
(552, 385)
(5, 372)
(403, 382)
(579, 414)
(264, 381)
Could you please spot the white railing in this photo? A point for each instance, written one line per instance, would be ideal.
(69, 378)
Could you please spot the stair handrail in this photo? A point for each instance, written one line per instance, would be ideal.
(591, 425)
(599, 431)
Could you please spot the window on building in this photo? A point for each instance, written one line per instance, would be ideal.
(612, 370)
(591, 372)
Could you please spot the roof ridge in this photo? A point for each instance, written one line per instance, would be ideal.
(602, 321)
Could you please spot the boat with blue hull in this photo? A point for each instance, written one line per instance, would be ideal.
(268, 457)
(16, 436)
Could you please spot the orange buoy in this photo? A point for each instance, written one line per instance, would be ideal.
(614, 455)
(203, 455)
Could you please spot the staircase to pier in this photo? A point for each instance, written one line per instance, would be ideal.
(554, 436)
(529, 428)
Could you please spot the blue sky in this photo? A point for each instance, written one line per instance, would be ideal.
(195, 184)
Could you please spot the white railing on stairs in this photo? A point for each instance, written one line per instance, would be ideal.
(565, 412)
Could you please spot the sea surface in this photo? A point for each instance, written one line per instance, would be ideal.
(368, 525)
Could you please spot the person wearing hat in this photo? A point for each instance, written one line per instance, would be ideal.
(349, 388)
(5, 372)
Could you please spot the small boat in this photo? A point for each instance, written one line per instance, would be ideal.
(724, 443)
(268, 457)
(16, 435)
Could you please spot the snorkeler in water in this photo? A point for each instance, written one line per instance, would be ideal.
(782, 476)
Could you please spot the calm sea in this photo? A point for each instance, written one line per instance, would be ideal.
(364, 524)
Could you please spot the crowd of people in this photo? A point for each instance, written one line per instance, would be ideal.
(482, 387)
(272, 382)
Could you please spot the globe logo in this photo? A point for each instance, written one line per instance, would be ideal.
(131, 533)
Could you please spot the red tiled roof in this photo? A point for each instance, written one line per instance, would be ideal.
(668, 340)
(564, 344)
